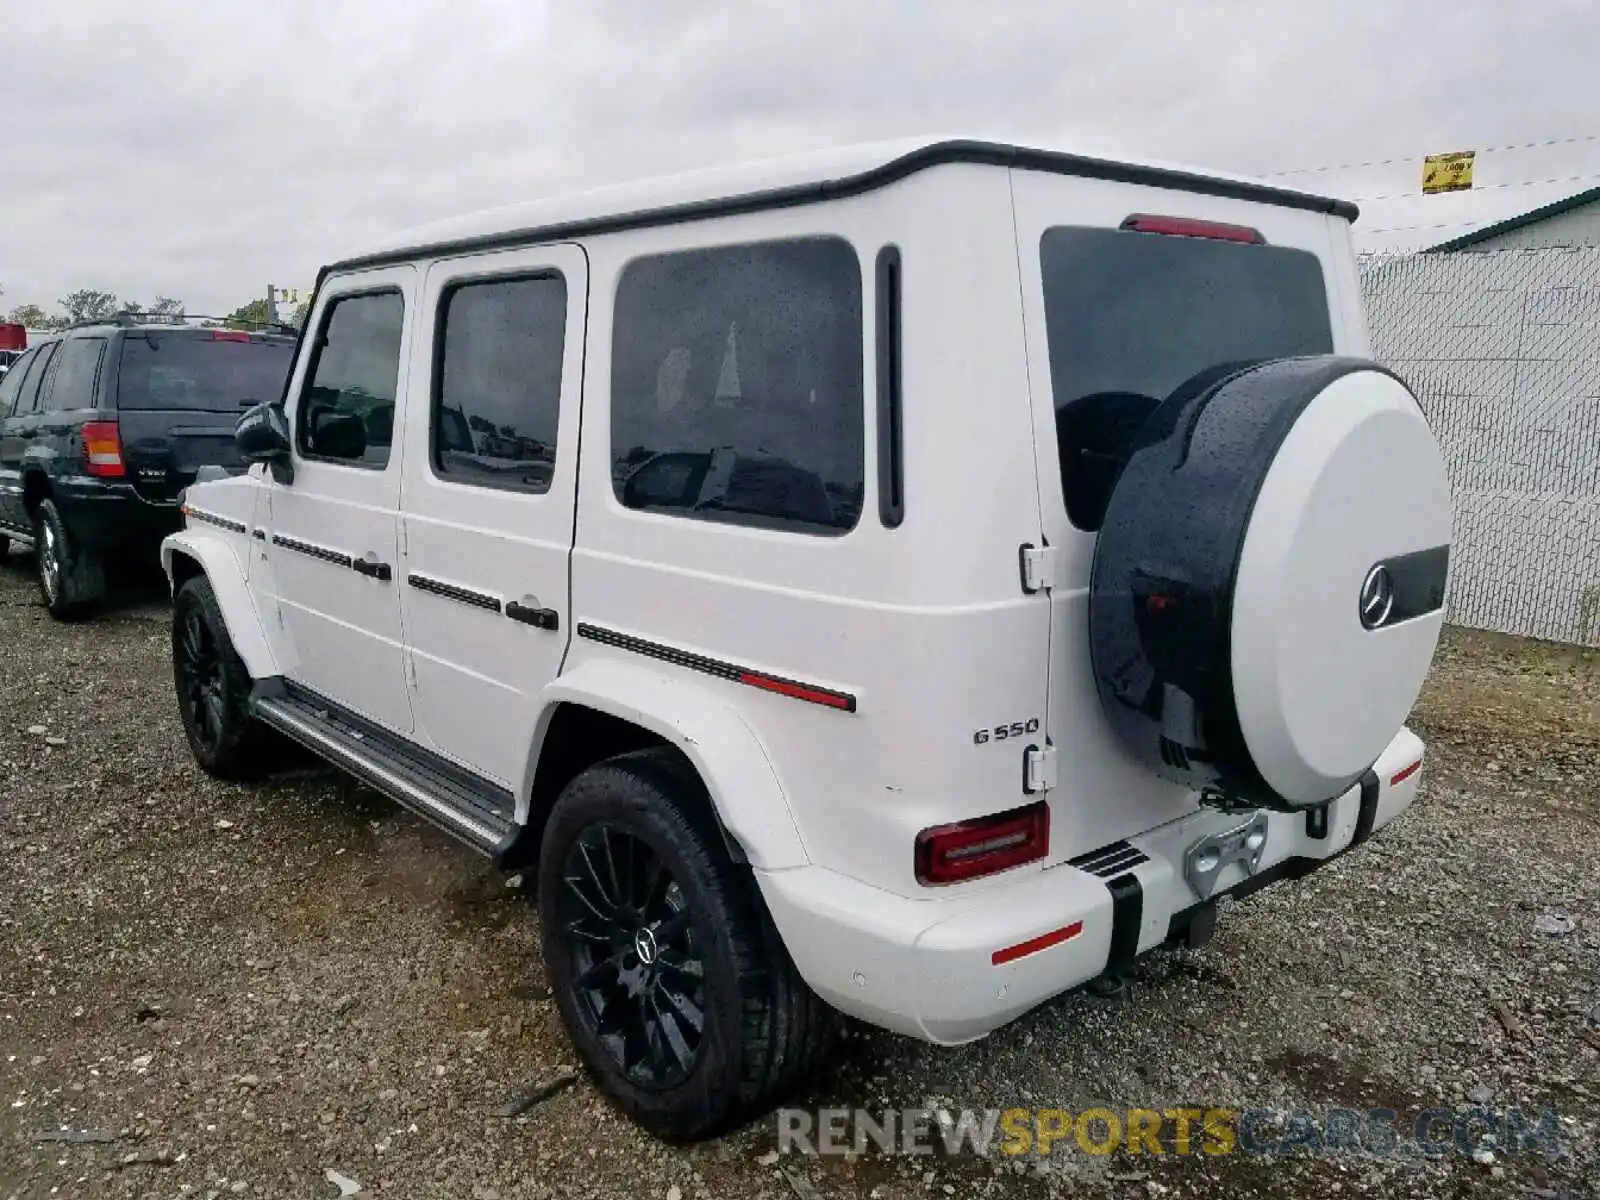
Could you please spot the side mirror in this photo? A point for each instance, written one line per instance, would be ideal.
(262, 436)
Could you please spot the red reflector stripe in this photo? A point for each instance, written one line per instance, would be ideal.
(1033, 945)
(796, 691)
(229, 335)
(1405, 774)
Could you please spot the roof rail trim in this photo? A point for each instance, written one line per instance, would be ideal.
(792, 195)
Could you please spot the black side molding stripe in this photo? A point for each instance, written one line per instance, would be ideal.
(1127, 915)
(793, 688)
(211, 518)
(451, 591)
(337, 557)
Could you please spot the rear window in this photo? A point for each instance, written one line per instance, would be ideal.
(197, 371)
(1130, 317)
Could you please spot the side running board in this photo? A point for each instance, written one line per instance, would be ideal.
(474, 810)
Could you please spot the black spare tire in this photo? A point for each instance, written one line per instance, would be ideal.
(1268, 582)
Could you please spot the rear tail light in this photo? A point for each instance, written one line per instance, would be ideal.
(102, 450)
(969, 849)
(229, 335)
(1188, 227)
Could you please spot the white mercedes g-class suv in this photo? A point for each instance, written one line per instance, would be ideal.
(908, 582)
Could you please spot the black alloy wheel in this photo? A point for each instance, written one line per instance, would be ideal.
(637, 973)
(198, 666)
(675, 986)
(213, 688)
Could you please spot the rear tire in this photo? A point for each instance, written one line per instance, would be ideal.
(648, 926)
(72, 582)
(213, 687)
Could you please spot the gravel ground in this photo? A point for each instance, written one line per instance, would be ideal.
(209, 990)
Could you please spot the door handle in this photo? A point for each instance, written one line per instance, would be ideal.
(539, 618)
(372, 568)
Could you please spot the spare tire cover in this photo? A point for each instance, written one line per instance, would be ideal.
(1268, 582)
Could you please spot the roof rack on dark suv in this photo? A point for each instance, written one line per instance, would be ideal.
(131, 319)
(103, 424)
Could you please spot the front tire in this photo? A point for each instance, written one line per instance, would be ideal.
(72, 581)
(673, 983)
(213, 687)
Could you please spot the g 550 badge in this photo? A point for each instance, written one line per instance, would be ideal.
(1002, 733)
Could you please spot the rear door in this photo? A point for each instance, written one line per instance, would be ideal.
(1117, 318)
(488, 493)
(179, 393)
(68, 397)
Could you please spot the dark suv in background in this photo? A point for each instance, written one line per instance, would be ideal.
(101, 429)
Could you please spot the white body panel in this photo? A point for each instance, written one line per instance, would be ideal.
(933, 645)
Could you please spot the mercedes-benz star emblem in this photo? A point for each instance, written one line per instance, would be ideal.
(1377, 597)
(644, 945)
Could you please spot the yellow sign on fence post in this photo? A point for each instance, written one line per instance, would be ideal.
(1447, 172)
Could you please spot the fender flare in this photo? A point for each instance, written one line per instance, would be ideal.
(220, 564)
(744, 788)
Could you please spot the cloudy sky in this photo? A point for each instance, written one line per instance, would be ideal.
(202, 150)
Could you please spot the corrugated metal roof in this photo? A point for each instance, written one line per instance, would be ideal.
(1521, 220)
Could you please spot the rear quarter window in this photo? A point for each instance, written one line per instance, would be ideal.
(1130, 317)
(738, 385)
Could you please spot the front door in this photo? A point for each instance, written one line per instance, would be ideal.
(332, 531)
(487, 499)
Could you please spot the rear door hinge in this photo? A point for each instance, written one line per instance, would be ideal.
(1039, 768)
(1038, 567)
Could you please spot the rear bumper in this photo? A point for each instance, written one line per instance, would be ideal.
(924, 967)
(112, 518)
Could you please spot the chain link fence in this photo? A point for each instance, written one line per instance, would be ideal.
(1502, 348)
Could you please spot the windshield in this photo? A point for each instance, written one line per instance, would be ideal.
(1129, 317)
(189, 371)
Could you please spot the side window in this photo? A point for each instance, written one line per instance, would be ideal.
(28, 400)
(77, 370)
(737, 387)
(497, 388)
(347, 408)
(11, 383)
